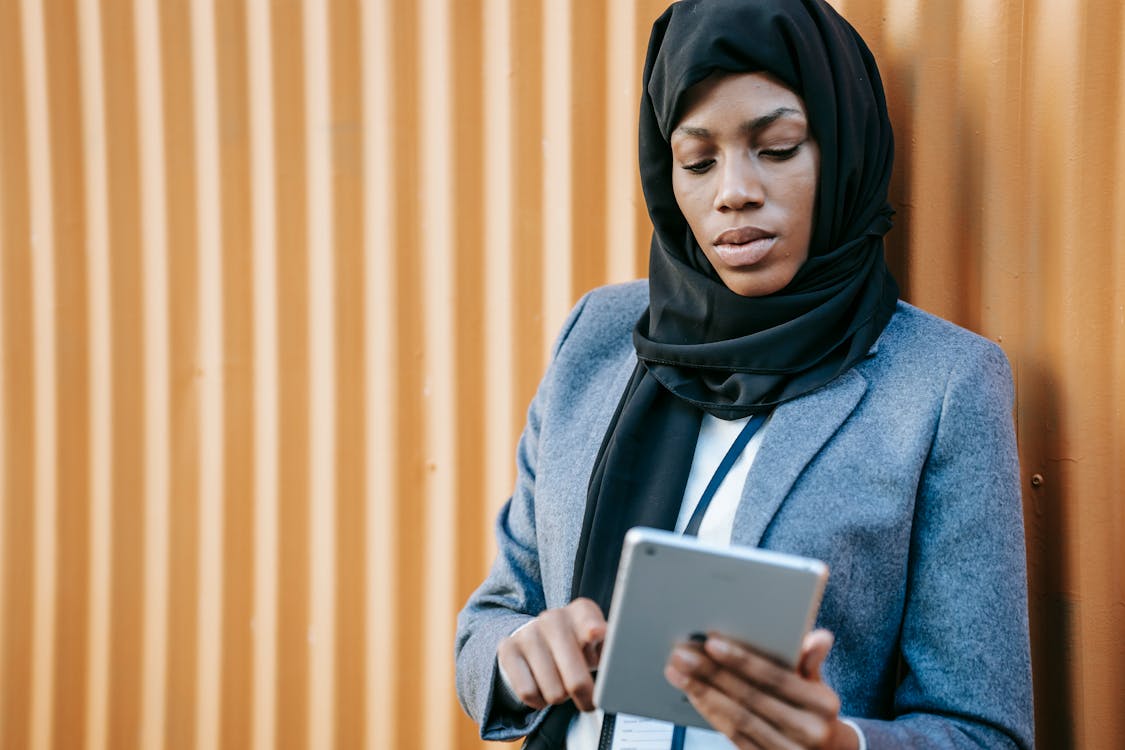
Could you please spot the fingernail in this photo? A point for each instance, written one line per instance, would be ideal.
(677, 678)
(719, 647)
(688, 658)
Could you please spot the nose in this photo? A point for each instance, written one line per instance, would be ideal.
(740, 186)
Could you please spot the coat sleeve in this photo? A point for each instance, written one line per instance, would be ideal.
(966, 669)
(512, 594)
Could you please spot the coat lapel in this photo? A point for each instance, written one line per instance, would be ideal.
(792, 438)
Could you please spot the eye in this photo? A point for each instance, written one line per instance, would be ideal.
(699, 167)
(781, 154)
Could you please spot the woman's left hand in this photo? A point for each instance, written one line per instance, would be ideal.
(758, 703)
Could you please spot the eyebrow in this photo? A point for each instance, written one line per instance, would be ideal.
(751, 126)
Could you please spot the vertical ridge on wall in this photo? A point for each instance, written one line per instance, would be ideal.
(1117, 402)
(18, 562)
(407, 604)
(237, 376)
(529, 251)
(1001, 234)
(266, 404)
(126, 295)
(42, 249)
(894, 49)
(1050, 117)
(289, 124)
(154, 263)
(587, 149)
(621, 105)
(211, 431)
(71, 366)
(126, 627)
(558, 104)
(647, 12)
(469, 386)
(184, 449)
(350, 552)
(380, 300)
(322, 372)
(99, 335)
(500, 250)
(1091, 292)
(938, 76)
(438, 254)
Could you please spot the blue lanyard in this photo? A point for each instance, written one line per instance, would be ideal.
(736, 448)
(679, 733)
(692, 529)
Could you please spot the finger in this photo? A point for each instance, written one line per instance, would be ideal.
(784, 717)
(693, 661)
(740, 724)
(570, 661)
(589, 626)
(587, 621)
(593, 654)
(773, 678)
(519, 675)
(814, 650)
(537, 653)
(807, 728)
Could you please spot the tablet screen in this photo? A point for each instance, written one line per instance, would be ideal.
(670, 588)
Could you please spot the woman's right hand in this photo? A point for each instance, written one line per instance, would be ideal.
(549, 660)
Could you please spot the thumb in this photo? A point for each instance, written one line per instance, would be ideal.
(814, 650)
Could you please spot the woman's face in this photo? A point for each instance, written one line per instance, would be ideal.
(744, 172)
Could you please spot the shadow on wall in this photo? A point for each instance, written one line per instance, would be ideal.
(1051, 609)
(1048, 529)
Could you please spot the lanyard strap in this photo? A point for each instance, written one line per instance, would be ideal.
(679, 733)
(736, 448)
(692, 529)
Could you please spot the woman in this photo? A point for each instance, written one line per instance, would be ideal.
(887, 448)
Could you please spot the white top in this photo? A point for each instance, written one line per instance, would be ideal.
(715, 438)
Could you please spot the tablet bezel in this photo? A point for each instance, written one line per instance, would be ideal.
(670, 587)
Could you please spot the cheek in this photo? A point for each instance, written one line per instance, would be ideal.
(808, 206)
(691, 197)
(802, 204)
(811, 186)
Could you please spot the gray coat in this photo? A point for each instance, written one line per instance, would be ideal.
(901, 474)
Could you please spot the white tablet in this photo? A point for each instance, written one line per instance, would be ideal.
(671, 587)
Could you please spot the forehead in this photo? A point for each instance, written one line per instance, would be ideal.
(739, 95)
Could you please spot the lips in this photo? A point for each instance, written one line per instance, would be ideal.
(741, 236)
(743, 246)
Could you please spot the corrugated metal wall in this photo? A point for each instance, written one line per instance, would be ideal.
(278, 280)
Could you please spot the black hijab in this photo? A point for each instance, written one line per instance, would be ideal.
(700, 346)
(733, 355)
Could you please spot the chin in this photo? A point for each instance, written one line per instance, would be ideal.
(741, 284)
